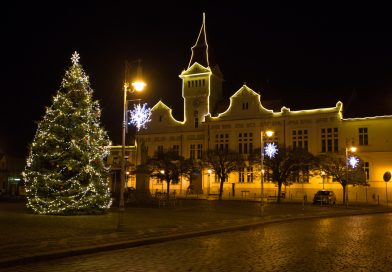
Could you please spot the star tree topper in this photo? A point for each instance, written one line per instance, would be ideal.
(75, 58)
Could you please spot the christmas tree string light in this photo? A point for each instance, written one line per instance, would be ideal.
(65, 171)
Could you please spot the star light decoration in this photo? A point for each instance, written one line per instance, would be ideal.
(75, 58)
(139, 116)
(353, 161)
(270, 150)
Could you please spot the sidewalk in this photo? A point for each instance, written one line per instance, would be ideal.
(27, 237)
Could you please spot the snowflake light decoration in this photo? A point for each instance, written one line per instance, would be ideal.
(75, 58)
(140, 116)
(270, 150)
(353, 161)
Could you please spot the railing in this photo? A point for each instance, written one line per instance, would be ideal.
(161, 199)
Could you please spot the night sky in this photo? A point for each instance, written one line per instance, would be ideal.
(305, 56)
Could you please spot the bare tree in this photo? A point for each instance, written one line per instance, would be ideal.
(288, 163)
(223, 162)
(336, 166)
(165, 166)
(189, 169)
(169, 166)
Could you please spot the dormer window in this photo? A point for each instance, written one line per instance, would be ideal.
(160, 118)
(245, 105)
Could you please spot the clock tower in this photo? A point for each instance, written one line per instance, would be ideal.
(201, 83)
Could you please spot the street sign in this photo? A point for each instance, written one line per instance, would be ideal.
(387, 176)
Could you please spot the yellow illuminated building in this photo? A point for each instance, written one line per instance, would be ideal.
(206, 126)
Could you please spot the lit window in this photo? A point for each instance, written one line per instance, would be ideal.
(176, 149)
(329, 140)
(363, 136)
(366, 168)
(222, 141)
(199, 151)
(192, 151)
(300, 138)
(241, 175)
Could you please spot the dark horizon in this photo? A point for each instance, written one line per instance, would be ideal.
(307, 57)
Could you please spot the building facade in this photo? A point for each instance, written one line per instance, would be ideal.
(239, 127)
(114, 160)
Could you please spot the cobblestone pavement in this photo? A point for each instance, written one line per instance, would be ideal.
(29, 238)
(356, 243)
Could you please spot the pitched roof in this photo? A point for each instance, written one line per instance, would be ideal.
(200, 49)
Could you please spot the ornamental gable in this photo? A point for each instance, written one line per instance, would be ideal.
(162, 118)
(245, 103)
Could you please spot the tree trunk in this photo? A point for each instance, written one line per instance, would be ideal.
(279, 191)
(221, 188)
(168, 190)
(344, 194)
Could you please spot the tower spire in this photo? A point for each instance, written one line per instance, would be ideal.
(200, 49)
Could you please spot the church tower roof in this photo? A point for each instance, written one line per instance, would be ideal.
(200, 49)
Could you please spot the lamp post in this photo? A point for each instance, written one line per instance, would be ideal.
(136, 86)
(162, 173)
(351, 149)
(323, 177)
(209, 171)
(268, 133)
(387, 177)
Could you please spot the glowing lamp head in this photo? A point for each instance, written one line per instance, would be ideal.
(162, 172)
(353, 149)
(322, 173)
(269, 133)
(209, 171)
(138, 85)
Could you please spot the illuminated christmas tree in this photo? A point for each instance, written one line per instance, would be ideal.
(65, 171)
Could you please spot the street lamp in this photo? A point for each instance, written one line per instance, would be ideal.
(269, 134)
(351, 149)
(136, 86)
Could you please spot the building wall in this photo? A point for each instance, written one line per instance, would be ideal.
(114, 161)
(377, 152)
